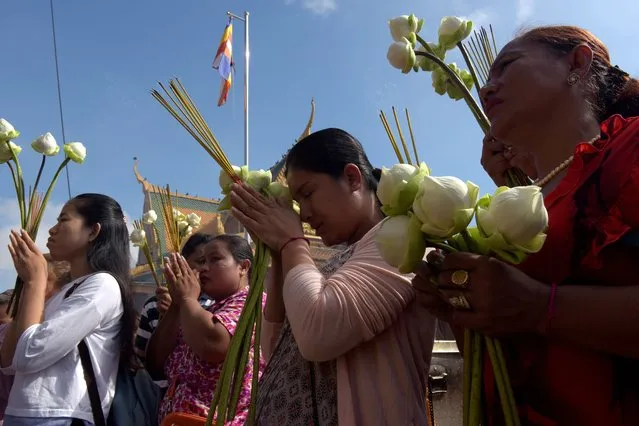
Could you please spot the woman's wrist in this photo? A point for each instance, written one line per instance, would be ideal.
(293, 243)
(542, 309)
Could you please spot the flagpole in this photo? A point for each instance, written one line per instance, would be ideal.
(245, 19)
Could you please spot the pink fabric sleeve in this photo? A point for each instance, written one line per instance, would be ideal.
(229, 314)
(363, 298)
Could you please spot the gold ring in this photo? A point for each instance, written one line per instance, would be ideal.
(460, 278)
(459, 302)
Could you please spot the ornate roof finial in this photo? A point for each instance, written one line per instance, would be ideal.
(146, 186)
(138, 176)
(307, 129)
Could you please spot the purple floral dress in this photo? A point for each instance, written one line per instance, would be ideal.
(192, 381)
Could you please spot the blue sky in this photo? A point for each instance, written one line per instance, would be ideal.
(112, 53)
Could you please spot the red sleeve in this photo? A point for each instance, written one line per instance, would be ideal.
(612, 211)
(628, 202)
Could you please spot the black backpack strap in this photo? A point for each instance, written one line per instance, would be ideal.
(89, 374)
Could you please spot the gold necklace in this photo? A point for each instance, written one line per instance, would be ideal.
(561, 167)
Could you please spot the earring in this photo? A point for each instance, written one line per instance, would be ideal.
(573, 78)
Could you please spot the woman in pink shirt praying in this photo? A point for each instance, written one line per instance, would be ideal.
(345, 343)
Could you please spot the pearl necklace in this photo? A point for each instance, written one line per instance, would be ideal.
(561, 167)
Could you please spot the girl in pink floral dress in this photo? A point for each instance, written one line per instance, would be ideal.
(191, 342)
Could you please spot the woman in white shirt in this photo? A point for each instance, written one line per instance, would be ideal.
(40, 347)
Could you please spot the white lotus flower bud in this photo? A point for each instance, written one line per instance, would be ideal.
(7, 131)
(398, 187)
(278, 190)
(453, 30)
(75, 151)
(426, 64)
(150, 217)
(401, 242)
(138, 237)
(259, 179)
(182, 225)
(444, 84)
(401, 55)
(193, 220)
(226, 181)
(178, 216)
(513, 218)
(403, 26)
(6, 150)
(46, 145)
(445, 205)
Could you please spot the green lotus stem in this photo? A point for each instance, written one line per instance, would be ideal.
(516, 177)
(156, 235)
(482, 120)
(474, 415)
(509, 391)
(470, 66)
(442, 246)
(35, 186)
(224, 388)
(256, 366)
(147, 253)
(240, 369)
(15, 182)
(19, 184)
(498, 370)
(468, 351)
(45, 200)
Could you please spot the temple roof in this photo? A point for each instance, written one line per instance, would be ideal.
(277, 170)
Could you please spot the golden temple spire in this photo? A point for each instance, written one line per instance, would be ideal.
(307, 131)
(309, 125)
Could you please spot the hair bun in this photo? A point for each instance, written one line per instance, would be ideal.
(377, 174)
(626, 103)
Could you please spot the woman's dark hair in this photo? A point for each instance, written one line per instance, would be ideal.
(329, 151)
(194, 242)
(110, 252)
(239, 248)
(613, 90)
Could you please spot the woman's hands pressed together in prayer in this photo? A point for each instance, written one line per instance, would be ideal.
(183, 282)
(29, 262)
(502, 300)
(271, 220)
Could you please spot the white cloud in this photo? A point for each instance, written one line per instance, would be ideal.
(318, 7)
(10, 219)
(524, 10)
(482, 17)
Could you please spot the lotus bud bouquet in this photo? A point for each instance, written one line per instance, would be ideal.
(32, 204)
(177, 226)
(437, 211)
(247, 333)
(410, 51)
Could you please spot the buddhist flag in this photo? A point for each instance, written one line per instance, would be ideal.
(223, 62)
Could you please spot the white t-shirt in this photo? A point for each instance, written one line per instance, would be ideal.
(49, 379)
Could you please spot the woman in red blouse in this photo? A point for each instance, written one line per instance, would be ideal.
(569, 315)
